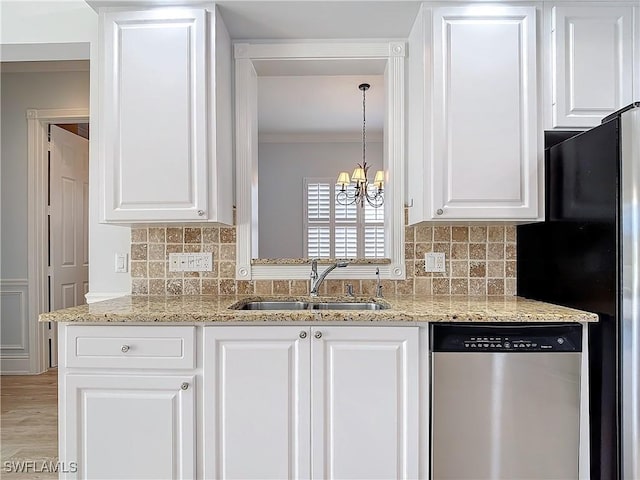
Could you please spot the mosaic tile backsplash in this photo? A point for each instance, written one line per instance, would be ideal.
(481, 260)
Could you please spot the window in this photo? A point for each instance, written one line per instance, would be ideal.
(332, 230)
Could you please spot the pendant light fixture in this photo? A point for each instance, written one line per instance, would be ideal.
(363, 191)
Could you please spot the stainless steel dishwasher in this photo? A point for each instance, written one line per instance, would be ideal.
(505, 401)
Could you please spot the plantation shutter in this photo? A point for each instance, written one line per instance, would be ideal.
(373, 230)
(346, 228)
(332, 230)
(318, 219)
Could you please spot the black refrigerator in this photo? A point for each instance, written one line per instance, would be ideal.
(586, 255)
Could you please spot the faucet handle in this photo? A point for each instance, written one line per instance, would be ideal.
(349, 290)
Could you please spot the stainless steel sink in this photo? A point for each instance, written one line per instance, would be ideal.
(300, 305)
(279, 305)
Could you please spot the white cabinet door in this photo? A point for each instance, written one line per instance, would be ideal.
(474, 145)
(257, 401)
(153, 123)
(365, 402)
(125, 427)
(592, 63)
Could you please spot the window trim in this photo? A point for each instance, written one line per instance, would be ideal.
(247, 56)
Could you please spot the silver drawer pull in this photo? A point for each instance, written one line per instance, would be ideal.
(184, 386)
(318, 334)
(125, 348)
(303, 334)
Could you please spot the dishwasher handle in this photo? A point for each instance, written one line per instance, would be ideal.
(520, 338)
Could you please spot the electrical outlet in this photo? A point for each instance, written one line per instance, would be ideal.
(434, 262)
(191, 262)
(175, 262)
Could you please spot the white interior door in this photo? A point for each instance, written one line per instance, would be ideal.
(68, 237)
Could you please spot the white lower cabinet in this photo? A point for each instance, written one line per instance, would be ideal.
(311, 402)
(256, 413)
(127, 402)
(364, 407)
(129, 426)
(258, 402)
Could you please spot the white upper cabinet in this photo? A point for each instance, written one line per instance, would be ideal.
(474, 137)
(591, 60)
(165, 116)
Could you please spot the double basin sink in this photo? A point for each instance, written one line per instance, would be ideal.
(308, 305)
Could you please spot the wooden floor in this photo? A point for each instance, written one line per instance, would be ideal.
(29, 424)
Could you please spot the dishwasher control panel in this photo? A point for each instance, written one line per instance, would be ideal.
(512, 338)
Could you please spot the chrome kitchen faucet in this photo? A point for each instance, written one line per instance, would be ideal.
(316, 280)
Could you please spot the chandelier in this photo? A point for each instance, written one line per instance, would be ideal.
(362, 190)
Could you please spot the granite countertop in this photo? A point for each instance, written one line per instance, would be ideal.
(408, 309)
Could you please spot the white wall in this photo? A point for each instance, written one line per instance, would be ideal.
(32, 29)
(39, 24)
(281, 168)
(19, 92)
(66, 21)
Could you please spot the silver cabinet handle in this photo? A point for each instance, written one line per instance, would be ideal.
(439, 211)
(318, 334)
(184, 386)
(201, 213)
(125, 348)
(303, 334)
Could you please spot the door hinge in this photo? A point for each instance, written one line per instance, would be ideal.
(49, 147)
(49, 210)
(50, 271)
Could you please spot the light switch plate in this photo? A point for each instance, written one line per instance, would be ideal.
(434, 262)
(122, 262)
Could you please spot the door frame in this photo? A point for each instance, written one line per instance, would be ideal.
(38, 122)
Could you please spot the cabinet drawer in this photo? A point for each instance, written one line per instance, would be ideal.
(130, 347)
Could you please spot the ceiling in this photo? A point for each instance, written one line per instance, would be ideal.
(251, 20)
(320, 108)
(298, 19)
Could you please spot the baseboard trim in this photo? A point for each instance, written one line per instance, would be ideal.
(16, 365)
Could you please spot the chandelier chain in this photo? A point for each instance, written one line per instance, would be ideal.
(364, 122)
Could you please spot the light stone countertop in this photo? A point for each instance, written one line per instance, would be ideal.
(199, 309)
